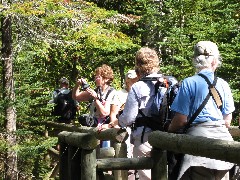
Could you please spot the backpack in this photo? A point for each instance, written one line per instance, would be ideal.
(65, 106)
(165, 113)
(166, 89)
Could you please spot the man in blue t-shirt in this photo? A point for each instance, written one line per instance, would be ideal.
(212, 121)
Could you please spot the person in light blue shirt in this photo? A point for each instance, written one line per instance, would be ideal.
(194, 90)
(212, 122)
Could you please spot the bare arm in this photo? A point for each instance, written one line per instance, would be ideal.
(113, 119)
(114, 109)
(228, 119)
(178, 122)
(103, 107)
(80, 95)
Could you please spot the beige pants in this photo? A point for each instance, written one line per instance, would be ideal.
(215, 130)
(142, 150)
(200, 173)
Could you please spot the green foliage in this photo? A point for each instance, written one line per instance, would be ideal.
(31, 148)
(52, 40)
(32, 153)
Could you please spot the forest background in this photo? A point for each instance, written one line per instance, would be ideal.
(50, 39)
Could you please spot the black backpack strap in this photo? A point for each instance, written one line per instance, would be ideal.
(200, 108)
(207, 80)
(143, 132)
(99, 91)
(140, 112)
(109, 91)
(157, 85)
(57, 90)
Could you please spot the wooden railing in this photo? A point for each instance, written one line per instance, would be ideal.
(117, 137)
(79, 152)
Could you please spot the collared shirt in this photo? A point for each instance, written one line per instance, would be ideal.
(193, 91)
(140, 96)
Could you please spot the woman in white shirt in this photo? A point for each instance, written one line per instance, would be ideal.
(100, 98)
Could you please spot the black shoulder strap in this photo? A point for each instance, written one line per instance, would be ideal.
(207, 80)
(69, 96)
(109, 91)
(140, 112)
(58, 91)
(156, 86)
(200, 108)
(149, 78)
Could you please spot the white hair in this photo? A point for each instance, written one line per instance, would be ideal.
(204, 53)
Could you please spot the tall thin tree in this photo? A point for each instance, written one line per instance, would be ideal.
(9, 97)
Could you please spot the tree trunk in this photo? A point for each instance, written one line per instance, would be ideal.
(122, 75)
(9, 97)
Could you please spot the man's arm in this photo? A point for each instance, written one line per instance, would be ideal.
(178, 122)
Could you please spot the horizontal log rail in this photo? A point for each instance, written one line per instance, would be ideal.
(234, 131)
(118, 135)
(113, 134)
(81, 140)
(107, 152)
(196, 145)
(124, 163)
(79, 161)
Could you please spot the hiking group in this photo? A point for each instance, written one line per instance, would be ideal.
(201, 105)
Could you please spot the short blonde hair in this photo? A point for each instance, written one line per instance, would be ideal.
(146, 61)
(204, 53)
(106, 72)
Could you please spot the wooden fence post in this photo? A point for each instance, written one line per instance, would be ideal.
(74, 163)
(87, 143)
(120, 152)
(159, 170)
(63, 169)
(88, 164)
